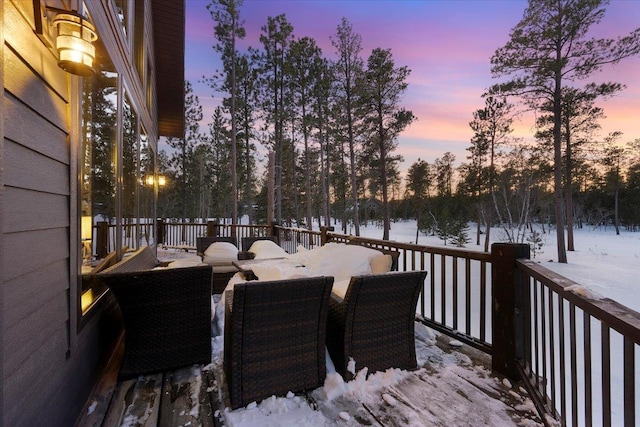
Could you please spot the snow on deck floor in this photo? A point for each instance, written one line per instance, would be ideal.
(450, 389)
(453, 387)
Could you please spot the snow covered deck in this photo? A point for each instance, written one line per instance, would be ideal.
(453, 387)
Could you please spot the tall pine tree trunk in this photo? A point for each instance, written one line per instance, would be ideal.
(557, 166)
(568, 196)
(234, 147)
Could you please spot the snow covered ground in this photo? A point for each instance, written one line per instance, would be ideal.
(606, 264)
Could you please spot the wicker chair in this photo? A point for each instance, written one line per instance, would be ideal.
(248, 241)
(374, 324)
(220, 278)
(274, 338)
(166, 314)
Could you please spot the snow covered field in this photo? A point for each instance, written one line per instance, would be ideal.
(605, 263)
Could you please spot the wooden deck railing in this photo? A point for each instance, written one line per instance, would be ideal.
(579, 354)
(571, 351)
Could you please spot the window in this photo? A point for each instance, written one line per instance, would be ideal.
(148, 191)
(97, 167)
(138, 40)
(130, 175)
(117, 205)
(122, 13)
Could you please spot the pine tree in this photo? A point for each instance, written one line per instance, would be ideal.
(228, 29)
(491, 126)
(182, 159)
(384, 119)
(547, 48)
(348, 70)
(276, 37)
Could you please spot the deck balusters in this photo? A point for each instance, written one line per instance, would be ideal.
(606, 376)
(552, 359)
(483, 302)
(443, 290)
(629, 383)
(588, 394)
(574, 363)
(467, 296)
(455, 293)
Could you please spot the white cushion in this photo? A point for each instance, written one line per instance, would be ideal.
(182, 263)
(220, 253)
(338, 260)
(267, 249)
(340, 287)
(380, 264)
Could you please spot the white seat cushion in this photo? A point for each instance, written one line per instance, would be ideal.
(381, 264)
(267, 249)
(220, 254)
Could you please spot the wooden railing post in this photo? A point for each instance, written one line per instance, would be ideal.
(160, 230)
(102, 239)
(323, 234)
(213, 228)
(507, 313)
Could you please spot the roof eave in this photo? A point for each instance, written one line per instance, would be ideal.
(169, 43)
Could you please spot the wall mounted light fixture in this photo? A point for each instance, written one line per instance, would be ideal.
(74, 43)
(150, 180)
(73, 39)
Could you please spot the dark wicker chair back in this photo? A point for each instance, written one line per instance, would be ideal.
(374, 324)
(167, 317)
(248, 241)
(274, 338)
(202, 243)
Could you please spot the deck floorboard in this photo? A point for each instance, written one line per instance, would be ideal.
(193, 396)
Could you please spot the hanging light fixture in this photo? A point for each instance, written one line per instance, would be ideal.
(74, 42)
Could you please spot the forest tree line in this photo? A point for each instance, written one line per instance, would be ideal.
(333, 126)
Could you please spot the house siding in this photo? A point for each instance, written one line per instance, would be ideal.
(2, 204)
(44, 380)
(51, 356)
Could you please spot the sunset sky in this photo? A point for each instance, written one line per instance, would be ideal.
(447, 45)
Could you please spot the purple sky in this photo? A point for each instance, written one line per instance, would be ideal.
(446, 44)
